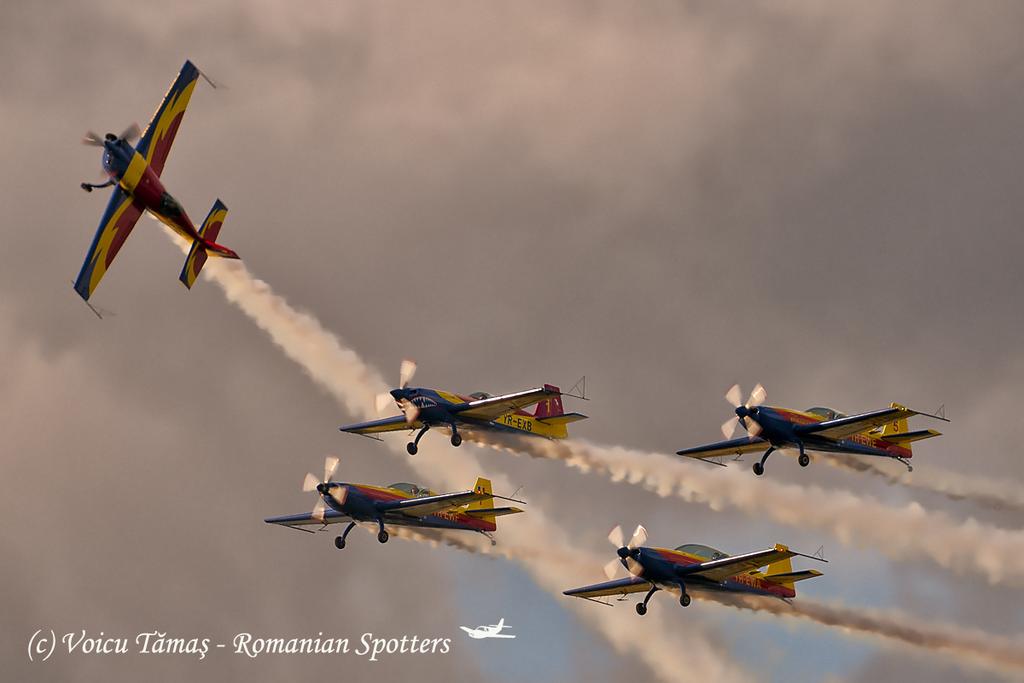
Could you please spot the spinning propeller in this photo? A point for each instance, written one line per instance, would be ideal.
(408, 408)
(322, 486)
(129, 134)
(745, 412)
(627, 553)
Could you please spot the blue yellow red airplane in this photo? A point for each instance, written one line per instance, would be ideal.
(694, 567)
(135, 173)
(396, 505)
(425, 408)
(883, 433)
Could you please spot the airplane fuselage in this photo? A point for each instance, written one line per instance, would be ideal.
(133, 174)
(434, 409)
(778, 428)
(668, 569)
(359, 504)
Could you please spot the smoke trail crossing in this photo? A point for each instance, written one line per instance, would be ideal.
(538, 544)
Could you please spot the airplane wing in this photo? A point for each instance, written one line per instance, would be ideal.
(495, 406)
(388, 424)
(331, 516)
(739, 446)
(630, 584)
(155, 143)
(721, 569)
(843, 427)
(428, 505)
(115, 226)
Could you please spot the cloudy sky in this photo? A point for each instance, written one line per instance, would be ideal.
(669, 199)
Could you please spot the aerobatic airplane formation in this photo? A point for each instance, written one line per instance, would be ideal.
(135, 175)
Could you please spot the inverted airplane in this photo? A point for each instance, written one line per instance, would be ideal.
(492, 631)
(881, 433)
(396, 505)
(423, 409)
(135, 175)
(694, 567)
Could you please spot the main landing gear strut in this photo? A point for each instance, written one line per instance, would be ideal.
(339, 541)
(804, 459)
(413, 445)
(641, 607)
(89, 187)
(382, 533)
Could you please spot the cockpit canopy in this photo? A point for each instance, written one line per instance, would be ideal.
(825, 413)
(704, 551)
(479, 395)
(412, 489)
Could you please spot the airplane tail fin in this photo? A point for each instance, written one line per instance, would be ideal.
(897, 431)
(551, 406)
(782, 573)
(484, 509)
(206, 246)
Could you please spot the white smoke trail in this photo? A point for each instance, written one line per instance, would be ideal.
(964, 646)
(999, 494)
(905, 532)
(533, 541)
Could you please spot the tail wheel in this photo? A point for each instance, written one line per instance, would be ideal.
(456, 440)
(684, 599)
(383, 536)
(804, 460)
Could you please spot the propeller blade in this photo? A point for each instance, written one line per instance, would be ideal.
(406, 373)
(318, 510)
(634, 567)
(411, 410)
(729, 427)
(753, 428)
(383, 401)
(615, 537)
(612, 569)
(639, 537)
(339, 493)
(92, 139)
(130, 133)
(310, 482)
(330, 465)
(734, 396)
(757, 397)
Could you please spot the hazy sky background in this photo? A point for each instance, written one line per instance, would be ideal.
(670, 198)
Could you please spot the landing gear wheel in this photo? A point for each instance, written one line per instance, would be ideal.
(684, 599)
(804, 460)
(411, 448)
(339, 542)
(456, 440)
(382, 536)
(758, 469)
(641, 608)
(86, 187)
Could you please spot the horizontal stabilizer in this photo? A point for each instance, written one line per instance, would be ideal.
(907, 437)
(562, 419)
(492, 512)
(791, 577)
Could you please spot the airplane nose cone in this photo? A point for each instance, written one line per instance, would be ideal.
(321, 488)
(623, 552)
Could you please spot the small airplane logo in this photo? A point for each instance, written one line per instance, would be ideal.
(492, 631)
